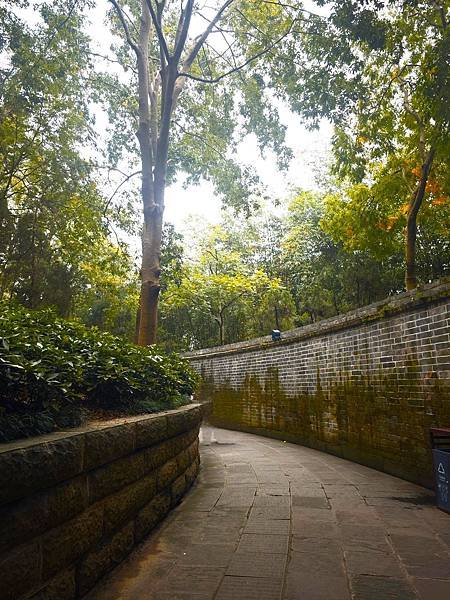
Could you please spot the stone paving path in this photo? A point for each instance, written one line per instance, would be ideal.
(269, 520)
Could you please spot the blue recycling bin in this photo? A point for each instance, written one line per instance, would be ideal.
(440, 443)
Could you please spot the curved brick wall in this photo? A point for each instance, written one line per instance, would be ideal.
(74, 503)
(366, 385)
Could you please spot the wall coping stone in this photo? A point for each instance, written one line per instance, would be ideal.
(400, 303)
(91, 426)
(33, 464)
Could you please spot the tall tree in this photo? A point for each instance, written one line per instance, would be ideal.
(185, 47)
(379, 71)
(54, 222)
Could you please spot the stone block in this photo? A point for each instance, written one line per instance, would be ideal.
(433, 589)
(65, 544)
(368, 587)
(116, 475)
(256, 564)
(61, 587)
(150, 431)
(178, 488)
(182, 441)
(20, 571)
(23, 520)
(26, 470)
(255, 588)
(123, 506)
(151, 515)
(104, 558)
(107, 444)
(67, 500)
(157, 455)
(183, 420)
(183, 460)
(192, 471)
(167, 473)
(187, 456)
(193, 449)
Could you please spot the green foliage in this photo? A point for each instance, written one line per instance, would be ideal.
(225, 295)
(51, 371)
(371, 218)
(227, 96)
(325, 276)
(379, 71)
(55, 225)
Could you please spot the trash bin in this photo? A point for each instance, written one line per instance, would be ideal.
(440, 444)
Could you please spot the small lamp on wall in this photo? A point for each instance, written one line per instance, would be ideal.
(276, 335)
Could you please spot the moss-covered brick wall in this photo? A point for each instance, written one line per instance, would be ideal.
(366, 385)
(73, 504)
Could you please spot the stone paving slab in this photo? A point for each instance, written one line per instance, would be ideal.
(251, 564)
(366, 587)
(250, 588)
(271, 544)
(269, 520)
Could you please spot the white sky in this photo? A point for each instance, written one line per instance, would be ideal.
(309, 148)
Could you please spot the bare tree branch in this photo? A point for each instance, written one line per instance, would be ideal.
(125, 27)
(111, 60)
(123, 182)
(202, 38)
(159, 32)
(185, 19)
(245, 63)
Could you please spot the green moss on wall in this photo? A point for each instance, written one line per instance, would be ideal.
(382, 419)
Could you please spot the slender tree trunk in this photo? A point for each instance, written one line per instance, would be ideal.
(221, 323)
(33, 275)
(150, 286)
(151, 250)
(411, 223)
(150, 263)
(277, 320)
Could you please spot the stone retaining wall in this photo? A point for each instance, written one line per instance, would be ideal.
(73, 504)
(366, 385)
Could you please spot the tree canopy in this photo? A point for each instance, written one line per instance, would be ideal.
(55, 242)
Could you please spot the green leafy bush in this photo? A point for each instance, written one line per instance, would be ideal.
(54, 372)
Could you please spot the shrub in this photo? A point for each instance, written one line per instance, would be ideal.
(54, 372)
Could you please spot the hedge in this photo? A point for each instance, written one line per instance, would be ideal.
(55, 373)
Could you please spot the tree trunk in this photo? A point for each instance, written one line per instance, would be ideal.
(158, 97)
(151, 270)
(153, 222)
(220, 321)
(411, 223)
(277, 320)
(150, 264)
